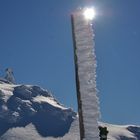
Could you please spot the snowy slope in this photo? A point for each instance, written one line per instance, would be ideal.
(122, 132)
(31, 113)
(26, 106)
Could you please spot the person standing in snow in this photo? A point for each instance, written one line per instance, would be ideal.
(103, 133)
(9, 75)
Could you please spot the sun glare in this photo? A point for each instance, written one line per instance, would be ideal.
(89, 13)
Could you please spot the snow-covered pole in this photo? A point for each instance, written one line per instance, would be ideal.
(85, 70)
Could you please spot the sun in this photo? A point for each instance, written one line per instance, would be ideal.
(89, 13)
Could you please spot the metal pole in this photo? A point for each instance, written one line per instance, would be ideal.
(81, 124)
(85, 73)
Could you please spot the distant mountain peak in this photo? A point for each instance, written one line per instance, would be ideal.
(9, 77)
(21, 105)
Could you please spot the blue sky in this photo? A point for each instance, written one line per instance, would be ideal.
(36, 41)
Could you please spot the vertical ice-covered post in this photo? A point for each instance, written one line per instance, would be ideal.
(85, 67)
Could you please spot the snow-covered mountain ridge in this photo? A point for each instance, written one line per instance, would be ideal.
(122, 132)
(31, 113)
(21, 105)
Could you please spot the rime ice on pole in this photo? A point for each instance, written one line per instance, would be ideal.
(85, 61)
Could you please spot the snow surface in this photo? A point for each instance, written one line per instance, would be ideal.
(49, 100)
(120, 132)
(35, 117)
(24, 106)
